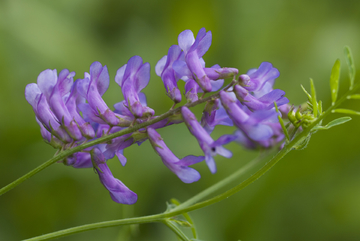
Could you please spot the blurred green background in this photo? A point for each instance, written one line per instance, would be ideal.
(312, 194)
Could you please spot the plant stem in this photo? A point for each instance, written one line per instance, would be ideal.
(176, 230)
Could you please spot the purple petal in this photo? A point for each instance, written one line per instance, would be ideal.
(204, 44)
(272, 96)
(65, 81)
(186, 174)
(121, 157)
(121, 108)
(223, 152)
(181, 69)
(159, 67)
(192, 60)
(89, 114)
(222, 118)
(46, 82)
(242, 139)
(186, 39)
(83, 160)
(83, 86)
(103, 81)
(190, 160)
(210, 162)
(216, 84)
(173, 55)
(118, 191)
(259, 132)
(119, 77)
(46, 135)
(132, 67)
(142, 77)
(31, 91)
(223, 140)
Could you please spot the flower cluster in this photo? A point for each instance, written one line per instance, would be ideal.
(71, 112)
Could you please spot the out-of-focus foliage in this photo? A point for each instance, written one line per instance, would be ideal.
(310, 195)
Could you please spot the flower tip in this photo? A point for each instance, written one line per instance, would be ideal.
(244, 79)
(128, 197)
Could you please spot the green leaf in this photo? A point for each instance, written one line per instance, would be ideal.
(282, 123)
(313, 98)
(334, 81)
(181, 223)
(307, 94)
(187, 217)
(338, 121)
(346, 111)
(320, 107)
(351, 65)
(333, 123)
(354, 97)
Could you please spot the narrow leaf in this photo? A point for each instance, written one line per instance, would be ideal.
(334, 81)
(354, 97)
(320, 107)
(282, 123)
(351, 65)
(346, 111)
(333, 123)
(307, 94)
(338, 121)
(317, 128)
(313, 97)
(181, 223)
(187, 217)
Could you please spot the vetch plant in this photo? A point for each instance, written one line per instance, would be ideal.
(75, 120)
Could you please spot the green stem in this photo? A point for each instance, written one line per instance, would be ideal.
(176, 230)
(188, 205)
(66, 153)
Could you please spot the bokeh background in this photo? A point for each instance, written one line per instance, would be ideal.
(312, 194)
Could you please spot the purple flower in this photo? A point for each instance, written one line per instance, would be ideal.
(261, 79)
(55, 90)
(164, 69)
(48, 137)
(117, 146)
(191, 90)
(132, 78)
(207, 144)
(72, 103)
(214, 114)
(179, 167)
(122, 109)
(194, 49)
(92, 87)
(265, 102)
(216, 73)
(118, 191)
(253, 124)
(191, 87)
(244, 140)
(44, 114)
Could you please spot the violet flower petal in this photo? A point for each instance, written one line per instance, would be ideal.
(179, 167)
(118, 191)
